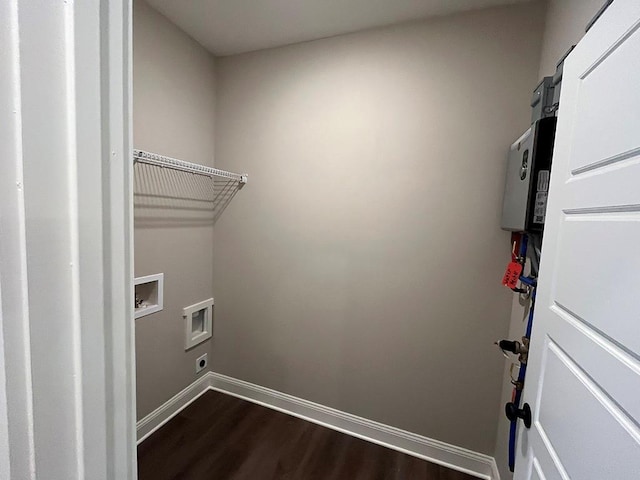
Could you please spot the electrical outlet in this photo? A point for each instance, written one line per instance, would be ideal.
(201, 363)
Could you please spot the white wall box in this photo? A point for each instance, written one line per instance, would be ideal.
(149, 294)
(198, 323)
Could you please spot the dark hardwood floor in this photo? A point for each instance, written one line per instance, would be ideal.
(221, 437)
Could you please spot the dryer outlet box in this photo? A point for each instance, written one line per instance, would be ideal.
(201, 363)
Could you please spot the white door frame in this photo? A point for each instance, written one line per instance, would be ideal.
(67, 368)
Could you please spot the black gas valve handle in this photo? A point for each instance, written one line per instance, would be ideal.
(514, 413)
(509, 346)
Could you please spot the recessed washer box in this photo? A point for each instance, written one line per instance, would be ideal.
(148, 294)
(198, 323)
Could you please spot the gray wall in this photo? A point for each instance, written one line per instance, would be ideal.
(173, 114)
(360, 268)
(564, 26)
(565, 23)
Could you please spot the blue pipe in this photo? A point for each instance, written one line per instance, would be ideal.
(523, 246)
(528, 281)
(518, 395)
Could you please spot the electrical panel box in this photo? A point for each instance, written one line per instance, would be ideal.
(557, 79)
(527, 184)
(542, 100)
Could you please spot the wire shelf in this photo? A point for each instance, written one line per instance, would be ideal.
(165, 197)
(162, 161)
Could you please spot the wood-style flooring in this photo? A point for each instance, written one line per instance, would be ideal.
(220, 437)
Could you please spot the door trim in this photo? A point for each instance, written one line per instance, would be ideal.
(66, 256)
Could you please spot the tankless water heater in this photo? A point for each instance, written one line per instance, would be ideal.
(527, 184)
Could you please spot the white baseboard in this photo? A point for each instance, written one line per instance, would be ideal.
(172, 407)
(435, 451)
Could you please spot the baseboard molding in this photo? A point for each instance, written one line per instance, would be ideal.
(169, 409)
(495, 472)
(441, 453)
(451, 456)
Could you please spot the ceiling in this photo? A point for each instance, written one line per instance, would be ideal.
(227, 27)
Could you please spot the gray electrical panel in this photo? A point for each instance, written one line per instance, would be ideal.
(542, 100)
(557, 79)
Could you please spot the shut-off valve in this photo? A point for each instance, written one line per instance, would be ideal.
(517, 348)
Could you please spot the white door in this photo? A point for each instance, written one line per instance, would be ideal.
(583, 381)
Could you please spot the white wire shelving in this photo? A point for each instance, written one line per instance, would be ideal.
(140, 156)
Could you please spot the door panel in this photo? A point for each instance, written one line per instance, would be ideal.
(583, 380)
(623, 174)
(598, 357)
(547, 457)
(589, 268)
(570, 397)
(537, 472)
(614, 115)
